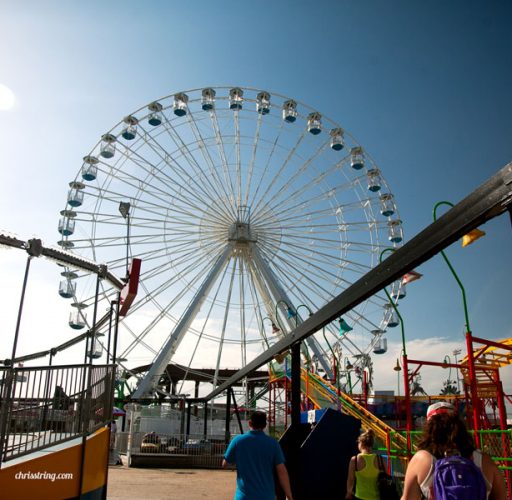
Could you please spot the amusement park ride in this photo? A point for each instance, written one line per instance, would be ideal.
(234, 217)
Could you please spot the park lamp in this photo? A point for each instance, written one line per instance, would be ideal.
(275, 328)
(344, 327)
(124, 209)
(467, 239)
(290, 312)
(472, 236)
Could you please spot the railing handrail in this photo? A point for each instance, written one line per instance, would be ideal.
(52, 367)
(30, 424)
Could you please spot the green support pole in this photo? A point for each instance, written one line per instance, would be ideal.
(469, 340)
(459, 282)
(407, 392)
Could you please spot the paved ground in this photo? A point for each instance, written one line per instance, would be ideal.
(176, 484)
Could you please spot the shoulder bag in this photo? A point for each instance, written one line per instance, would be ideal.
(385, 483)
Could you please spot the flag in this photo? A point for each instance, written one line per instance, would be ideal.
(472, 236)
(344, 327)
(410, 277)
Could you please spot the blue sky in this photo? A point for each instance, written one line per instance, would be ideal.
(424, 86)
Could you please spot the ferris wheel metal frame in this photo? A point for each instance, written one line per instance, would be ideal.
(231, 191)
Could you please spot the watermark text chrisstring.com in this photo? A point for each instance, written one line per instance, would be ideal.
(48, 476)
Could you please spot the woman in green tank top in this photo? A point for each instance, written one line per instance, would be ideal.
(363, 470)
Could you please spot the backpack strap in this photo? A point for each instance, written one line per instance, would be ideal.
(477, 458)
(382, 467)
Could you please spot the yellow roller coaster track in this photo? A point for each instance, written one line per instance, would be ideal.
(320, 392)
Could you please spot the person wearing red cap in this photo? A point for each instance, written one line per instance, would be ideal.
(439, 409)
(446, 434)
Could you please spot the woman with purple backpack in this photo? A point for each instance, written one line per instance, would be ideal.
(447, 465)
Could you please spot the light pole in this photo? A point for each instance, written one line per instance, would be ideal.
(397, 369)
(294, 314)
(447, 362)
(407, 393)
(394, 305)
(457, 279)
(281, 358)
(348, 367)
(336, 369)
(34, 249)
(336, 362)
(469, 341)
(86, 393)
(310, 313)
(275, 329)
(455, 353)
(124, 210)
(308, 357)
(295, 369)
(289, 310)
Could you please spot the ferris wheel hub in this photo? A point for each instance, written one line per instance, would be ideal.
(240, 234)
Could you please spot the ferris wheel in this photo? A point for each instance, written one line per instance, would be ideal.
(249, 211)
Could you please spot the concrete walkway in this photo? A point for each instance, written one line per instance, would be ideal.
(177, 484)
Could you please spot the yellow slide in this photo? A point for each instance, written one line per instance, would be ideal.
(324, 394)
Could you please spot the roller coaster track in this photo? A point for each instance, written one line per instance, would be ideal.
(321, 393)
(35, 248)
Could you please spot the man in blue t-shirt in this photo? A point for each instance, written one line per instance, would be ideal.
(257, 456)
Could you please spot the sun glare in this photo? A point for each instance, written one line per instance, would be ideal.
(6, 97)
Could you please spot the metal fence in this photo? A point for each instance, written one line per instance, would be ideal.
(497, 443)
(45, 406)
(173, 450)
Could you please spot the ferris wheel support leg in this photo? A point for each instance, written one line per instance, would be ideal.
(275, 295)
(150, 380)
(280, 296)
